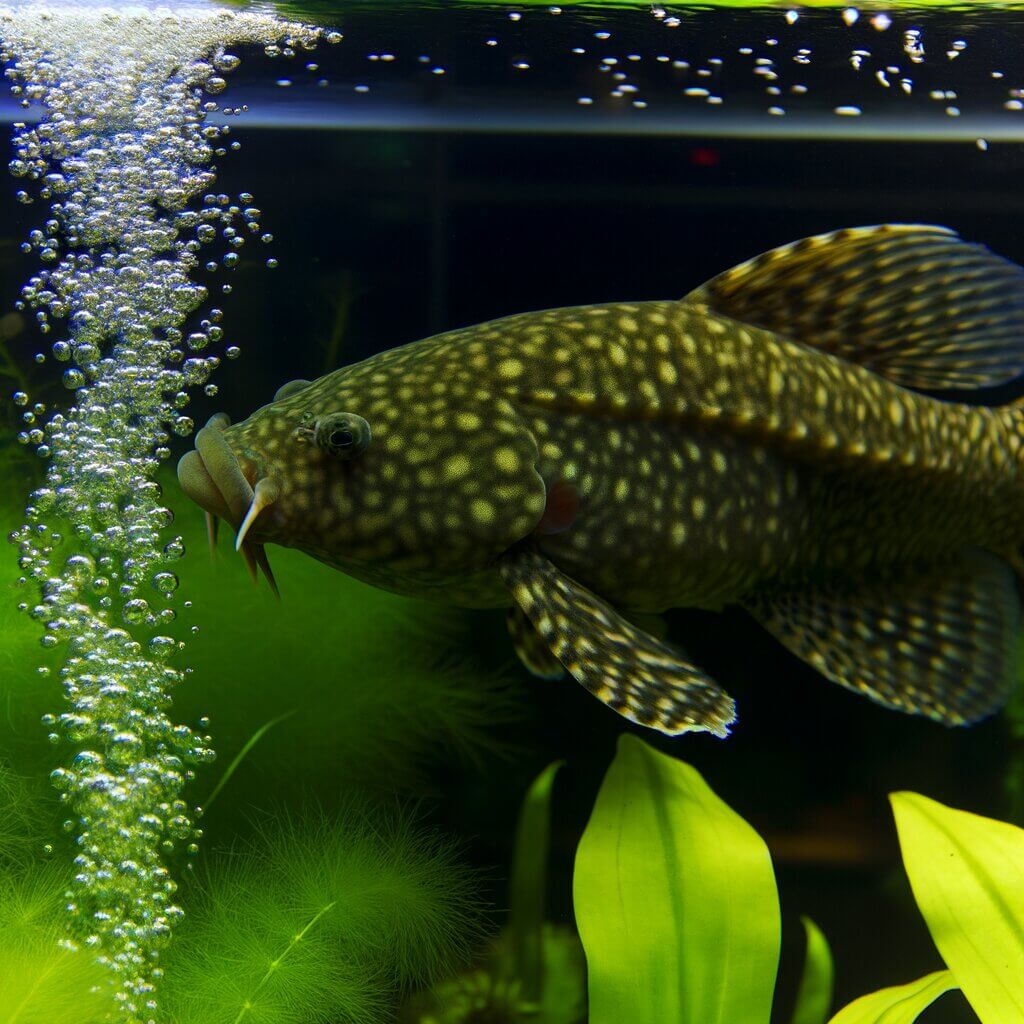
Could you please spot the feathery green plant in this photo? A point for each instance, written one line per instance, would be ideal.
(20, 834)
(321, 921)
(533, 972)
(40, 982)
(374, 686)
(678, 907)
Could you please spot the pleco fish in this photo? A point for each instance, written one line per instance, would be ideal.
(764, 441)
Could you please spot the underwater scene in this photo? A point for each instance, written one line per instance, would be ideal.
(516, 513)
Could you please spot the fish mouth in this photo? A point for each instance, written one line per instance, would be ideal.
(217, 482)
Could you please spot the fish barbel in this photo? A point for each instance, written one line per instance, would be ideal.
(767, 441)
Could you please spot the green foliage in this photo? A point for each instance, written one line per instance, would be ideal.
(20, 833)
(967, 874)
(40, 983)
(320, 921)
(675, 900)
(678, 908)
(534, 972)
(370, 687)
(901, 1004)
(814, 997)
(528, 886)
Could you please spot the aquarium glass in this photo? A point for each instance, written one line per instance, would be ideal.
(516, 512)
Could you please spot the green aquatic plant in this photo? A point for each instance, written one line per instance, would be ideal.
(367, 698)
(817, 981)
(678, 907)
(533, 971)
(322, 920)
(41, 981)
(665, 874)
(967, 876)
(20, 838)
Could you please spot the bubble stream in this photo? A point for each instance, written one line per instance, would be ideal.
(122, 160)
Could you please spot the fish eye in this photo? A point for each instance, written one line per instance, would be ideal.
(342, 434)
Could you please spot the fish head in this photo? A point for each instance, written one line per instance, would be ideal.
(406, 482)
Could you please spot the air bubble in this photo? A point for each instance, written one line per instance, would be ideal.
(136, 611)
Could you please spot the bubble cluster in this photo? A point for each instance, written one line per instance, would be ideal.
(121, 159)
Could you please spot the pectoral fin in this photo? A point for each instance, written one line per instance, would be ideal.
(942, 645)
(533, 652)
(643, 679)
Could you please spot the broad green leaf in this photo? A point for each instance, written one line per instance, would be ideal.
(901, 1004)
(675, 900)
(814, 996)
(967, 873)
(528, 885)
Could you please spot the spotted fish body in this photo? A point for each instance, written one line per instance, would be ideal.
(763, 441)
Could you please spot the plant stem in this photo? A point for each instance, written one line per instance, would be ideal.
(274, 964)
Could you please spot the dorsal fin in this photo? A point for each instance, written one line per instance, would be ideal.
(914, 303)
